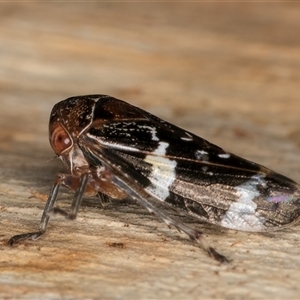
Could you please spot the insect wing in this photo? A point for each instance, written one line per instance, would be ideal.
(181, 169)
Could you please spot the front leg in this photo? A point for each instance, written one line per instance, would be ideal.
(77, 183)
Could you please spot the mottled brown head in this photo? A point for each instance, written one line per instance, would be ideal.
(68, 119)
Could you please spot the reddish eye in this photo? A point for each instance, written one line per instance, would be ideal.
(59, 139)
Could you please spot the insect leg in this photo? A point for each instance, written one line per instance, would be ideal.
(45, 217)
(50, 210)
(194, 235)
(76, 201)
(104, 199)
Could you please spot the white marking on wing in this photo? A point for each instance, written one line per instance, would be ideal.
(152, 131)
(188, 139)
(225, 155)
(163, 172)
(241, 215)
(201, 155)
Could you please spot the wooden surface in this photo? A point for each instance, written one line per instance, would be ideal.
(228, 72)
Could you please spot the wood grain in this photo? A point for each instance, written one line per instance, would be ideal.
(226, 71)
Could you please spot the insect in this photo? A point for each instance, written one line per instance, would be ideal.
(113, 149)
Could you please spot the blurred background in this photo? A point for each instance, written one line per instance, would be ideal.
(228, 72)
(200, 65)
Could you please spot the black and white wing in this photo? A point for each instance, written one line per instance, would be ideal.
(179, 168)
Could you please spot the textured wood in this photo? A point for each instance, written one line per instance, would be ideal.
(228, 72)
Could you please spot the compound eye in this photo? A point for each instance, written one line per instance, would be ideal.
(59, 139)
